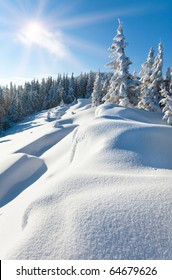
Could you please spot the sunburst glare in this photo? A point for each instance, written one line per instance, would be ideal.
(33, 31)
(59, 30)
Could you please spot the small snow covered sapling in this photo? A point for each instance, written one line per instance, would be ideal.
(58, 116)
(48, 115)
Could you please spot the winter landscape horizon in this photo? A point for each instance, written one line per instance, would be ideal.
(86, 159)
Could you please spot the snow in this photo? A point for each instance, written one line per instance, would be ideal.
(87, 184)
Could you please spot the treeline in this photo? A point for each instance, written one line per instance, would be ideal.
(17, 102)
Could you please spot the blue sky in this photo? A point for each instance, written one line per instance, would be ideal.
(39, 38)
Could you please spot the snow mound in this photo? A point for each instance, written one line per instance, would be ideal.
(81, 105)
(125, 145)
(118, 112)
(105, 194)
(17, 173)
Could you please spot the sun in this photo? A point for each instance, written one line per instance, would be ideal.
(33, 30)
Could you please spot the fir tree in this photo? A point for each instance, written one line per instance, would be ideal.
(71, 90)
(147, 68)
(123, 87)
(81, 85)
(168, 80)
(152, 81)
(90, 84)
(60, 92)
(105, 88)
(97, 93)
(43, 94)
(145, 98)
(13, 109)
(157, 79)
(166, 102)
(2, 111)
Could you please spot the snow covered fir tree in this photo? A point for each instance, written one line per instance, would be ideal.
(123, 88)
(157, 78)
(145, 101)
(166, 102)
(143, 91)
(97, 93)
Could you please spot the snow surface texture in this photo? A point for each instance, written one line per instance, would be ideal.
(87, 184)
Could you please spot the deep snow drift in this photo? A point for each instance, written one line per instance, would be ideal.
(87, 184)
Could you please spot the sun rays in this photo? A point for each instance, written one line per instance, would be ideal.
(35, 33)
(46, 34)
(38, 32)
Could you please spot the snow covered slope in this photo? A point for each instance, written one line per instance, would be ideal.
(87, 184)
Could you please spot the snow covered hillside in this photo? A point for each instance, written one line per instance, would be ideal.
(87, 184)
